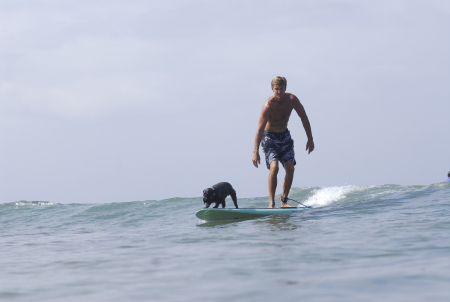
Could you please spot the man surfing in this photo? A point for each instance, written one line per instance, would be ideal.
(275, 138)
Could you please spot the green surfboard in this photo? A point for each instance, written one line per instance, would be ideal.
(238, 214)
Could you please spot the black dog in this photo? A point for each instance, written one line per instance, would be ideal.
(218, 193)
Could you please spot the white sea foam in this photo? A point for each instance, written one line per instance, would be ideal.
(326, 196)
(33, 203)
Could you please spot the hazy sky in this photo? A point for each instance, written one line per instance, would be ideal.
(110, 101)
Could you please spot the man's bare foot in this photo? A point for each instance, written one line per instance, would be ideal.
(271, 205)
(285, 205)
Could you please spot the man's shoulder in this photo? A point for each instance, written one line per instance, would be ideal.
(291, 96)
(268, 102)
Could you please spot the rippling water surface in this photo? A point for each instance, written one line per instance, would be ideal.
(380, 243)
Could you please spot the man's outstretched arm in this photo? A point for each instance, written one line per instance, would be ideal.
(305, 121)
(263, 118)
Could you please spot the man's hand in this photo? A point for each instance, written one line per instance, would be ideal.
(310, 146)
(256, 159)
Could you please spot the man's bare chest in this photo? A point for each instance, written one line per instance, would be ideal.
(280, 112)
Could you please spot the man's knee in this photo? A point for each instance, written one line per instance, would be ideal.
(274, 167)
(289, 167)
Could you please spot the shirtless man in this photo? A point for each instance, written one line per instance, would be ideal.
(275, 138)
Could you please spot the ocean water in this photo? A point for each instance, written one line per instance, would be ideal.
(378, 243)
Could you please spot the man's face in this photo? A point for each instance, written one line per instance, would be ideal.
(278, 91)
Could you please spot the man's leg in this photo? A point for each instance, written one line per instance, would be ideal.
(273, 182)
(289, 167)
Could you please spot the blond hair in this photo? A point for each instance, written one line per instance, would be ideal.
(279, 81)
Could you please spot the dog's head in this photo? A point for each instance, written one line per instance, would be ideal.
(208, 195)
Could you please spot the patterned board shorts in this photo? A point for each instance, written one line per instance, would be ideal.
(278, 146)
